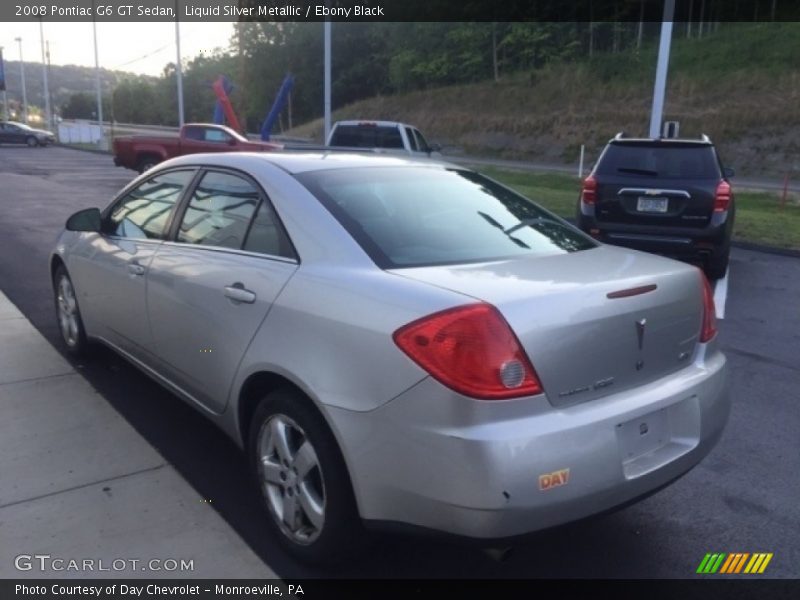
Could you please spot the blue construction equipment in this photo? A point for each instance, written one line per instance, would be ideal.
(277, 106)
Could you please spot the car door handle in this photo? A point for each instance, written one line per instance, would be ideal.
(238, 293)
(135, 269)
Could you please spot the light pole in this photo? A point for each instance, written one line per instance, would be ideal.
(5, 91)
(44, 77)
(178, 69)
(327, 77)
(660, 87)
(101, 141)
(22, 73)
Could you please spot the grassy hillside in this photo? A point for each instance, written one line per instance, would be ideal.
(740, 85)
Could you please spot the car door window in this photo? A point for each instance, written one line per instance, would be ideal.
(219, 211)
(412, 141)
(144, 211)
(422, 143)
(217, 136)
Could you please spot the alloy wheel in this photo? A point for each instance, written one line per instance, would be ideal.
(68, 312)
(291, 479)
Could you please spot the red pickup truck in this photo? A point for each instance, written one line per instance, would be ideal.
(142, 152)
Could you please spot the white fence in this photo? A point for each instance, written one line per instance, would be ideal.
(79, 132)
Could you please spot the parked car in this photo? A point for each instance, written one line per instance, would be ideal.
(669, 196)
(143, 152)
(388, 136)
(19, 133)
(399, 342)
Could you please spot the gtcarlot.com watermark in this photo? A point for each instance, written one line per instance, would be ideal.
(48, 563)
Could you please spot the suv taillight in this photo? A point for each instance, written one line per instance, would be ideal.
(709, 329)
(722, 198)
(472, 350)
(589, 190)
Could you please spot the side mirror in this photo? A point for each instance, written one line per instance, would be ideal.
(85, 220)
(728, 172)
(231, 141)
(434, 148)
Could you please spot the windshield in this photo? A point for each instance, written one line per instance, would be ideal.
(423, 216)
(674, 161)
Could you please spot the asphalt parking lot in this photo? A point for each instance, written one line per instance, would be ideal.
(745, 497)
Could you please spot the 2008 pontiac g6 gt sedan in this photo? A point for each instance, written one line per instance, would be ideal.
(398, 341)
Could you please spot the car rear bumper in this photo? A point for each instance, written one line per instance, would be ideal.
(680, 242)
(489, 470)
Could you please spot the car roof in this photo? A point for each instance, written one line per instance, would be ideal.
(666, 141)
(303, 162)
(372, 122)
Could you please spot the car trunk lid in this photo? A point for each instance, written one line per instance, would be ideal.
(593, 322)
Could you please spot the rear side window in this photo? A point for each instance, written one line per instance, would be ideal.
(417, 216)
(266, 234)
(219, 211)
(193, 133)
(143, 212)
(366, 136)
(664, 161)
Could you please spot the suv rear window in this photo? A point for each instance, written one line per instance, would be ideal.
(673, 161)
(366, 136)
(418, 216)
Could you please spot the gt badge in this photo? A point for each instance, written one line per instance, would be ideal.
(554, 479)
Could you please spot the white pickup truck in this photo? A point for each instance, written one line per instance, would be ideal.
(388, 136)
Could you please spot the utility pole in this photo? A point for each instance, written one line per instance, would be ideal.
(5, 91)
(641, 25)
(178, 68)
(101, 142)
(22, 74)
(327, 101)
(660, 87)
(44, 77)
(49, 93)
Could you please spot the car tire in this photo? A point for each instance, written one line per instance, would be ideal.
(146, 163)
(298, 467)
(717, 266)
(31, 141)
(68, 313)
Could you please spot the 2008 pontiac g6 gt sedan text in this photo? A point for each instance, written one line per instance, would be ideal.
(397, 341)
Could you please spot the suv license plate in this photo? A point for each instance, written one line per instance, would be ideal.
(648, 204)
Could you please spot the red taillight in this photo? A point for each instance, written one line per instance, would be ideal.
(709, 329)
(472, 350)
(589, 190)
(722, 198)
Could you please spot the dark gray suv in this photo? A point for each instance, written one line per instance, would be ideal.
(668, 196)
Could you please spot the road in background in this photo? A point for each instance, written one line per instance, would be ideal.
(742, 498)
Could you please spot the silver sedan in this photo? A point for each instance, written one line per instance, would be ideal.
(397, 341)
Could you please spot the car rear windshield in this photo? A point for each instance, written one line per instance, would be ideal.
(424, 216)
(672, 161)
(367, 136)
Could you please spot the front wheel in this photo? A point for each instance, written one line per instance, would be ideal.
(69, 315)
(303, 480)
(31, 141)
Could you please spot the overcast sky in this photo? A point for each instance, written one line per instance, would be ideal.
(136, 47)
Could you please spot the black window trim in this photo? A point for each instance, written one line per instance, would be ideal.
(171, 238)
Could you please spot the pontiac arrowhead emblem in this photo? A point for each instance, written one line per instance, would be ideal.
(640, 325)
